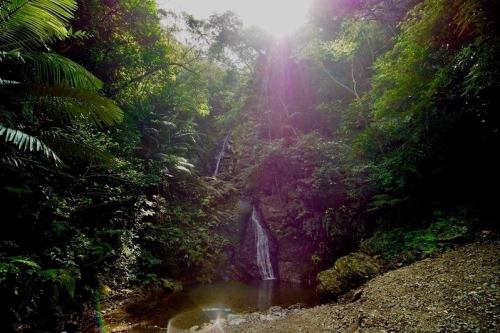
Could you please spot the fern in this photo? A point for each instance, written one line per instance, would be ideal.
(78, 148)
(64, 277)
(26, 142)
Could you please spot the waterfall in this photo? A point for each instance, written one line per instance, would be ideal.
(220, 155)
(262, 245)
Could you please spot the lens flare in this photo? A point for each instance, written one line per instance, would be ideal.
(99, 318)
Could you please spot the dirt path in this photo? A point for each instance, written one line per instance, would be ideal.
(455, 292)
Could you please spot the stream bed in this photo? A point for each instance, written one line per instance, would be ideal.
(201, 303)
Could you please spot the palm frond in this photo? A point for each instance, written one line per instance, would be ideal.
(180, 164)
(25, 142)
(78, 34)
(10, 55)
(28, 24)
(77, 102)
(12, 161)
(54, 69)
(7, 82)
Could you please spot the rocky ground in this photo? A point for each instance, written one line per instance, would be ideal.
(455, 292)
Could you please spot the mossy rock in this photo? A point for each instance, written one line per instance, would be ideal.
(349, 272)
(105, 291)
(171, 285)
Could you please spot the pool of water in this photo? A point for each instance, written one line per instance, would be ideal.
(201, 303)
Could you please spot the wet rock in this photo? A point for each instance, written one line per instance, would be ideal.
(244, 208)
(269, 317)
(171, 285)
(296, 306)
(275, 309)
(194, 328)
(234, 320)
(349, 272)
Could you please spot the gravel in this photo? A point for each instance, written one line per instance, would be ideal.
(455, 292)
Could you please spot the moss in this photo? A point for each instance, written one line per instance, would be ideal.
(349, 272)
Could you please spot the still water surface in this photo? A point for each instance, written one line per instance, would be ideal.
(201, 303)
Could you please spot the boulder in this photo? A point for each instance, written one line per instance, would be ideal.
(348, 273)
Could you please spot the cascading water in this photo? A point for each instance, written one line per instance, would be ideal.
(262, 245)
(220, 155)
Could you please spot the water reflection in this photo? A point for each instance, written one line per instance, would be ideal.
(265, 294)
(202, 303)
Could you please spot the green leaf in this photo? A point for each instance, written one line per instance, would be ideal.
(75, 102)
(25, 142)
(64, 277)
(54, 69)
(25, 261)
(29, 24)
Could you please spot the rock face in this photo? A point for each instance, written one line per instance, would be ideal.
(244, 261)
(349, 272)
(279, 178)
(294, 247)
(294, 260)
(291, 248)
(282, 178)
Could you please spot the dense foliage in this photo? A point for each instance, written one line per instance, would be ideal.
(97, 191)
(377, 114)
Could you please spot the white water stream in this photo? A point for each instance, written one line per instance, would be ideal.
(220, 156)
(262, 245)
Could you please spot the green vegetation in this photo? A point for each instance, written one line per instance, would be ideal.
(399, 246)
(375, 116)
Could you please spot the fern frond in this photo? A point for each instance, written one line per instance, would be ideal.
(28, 24)
(76, 102)
(26, 142)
